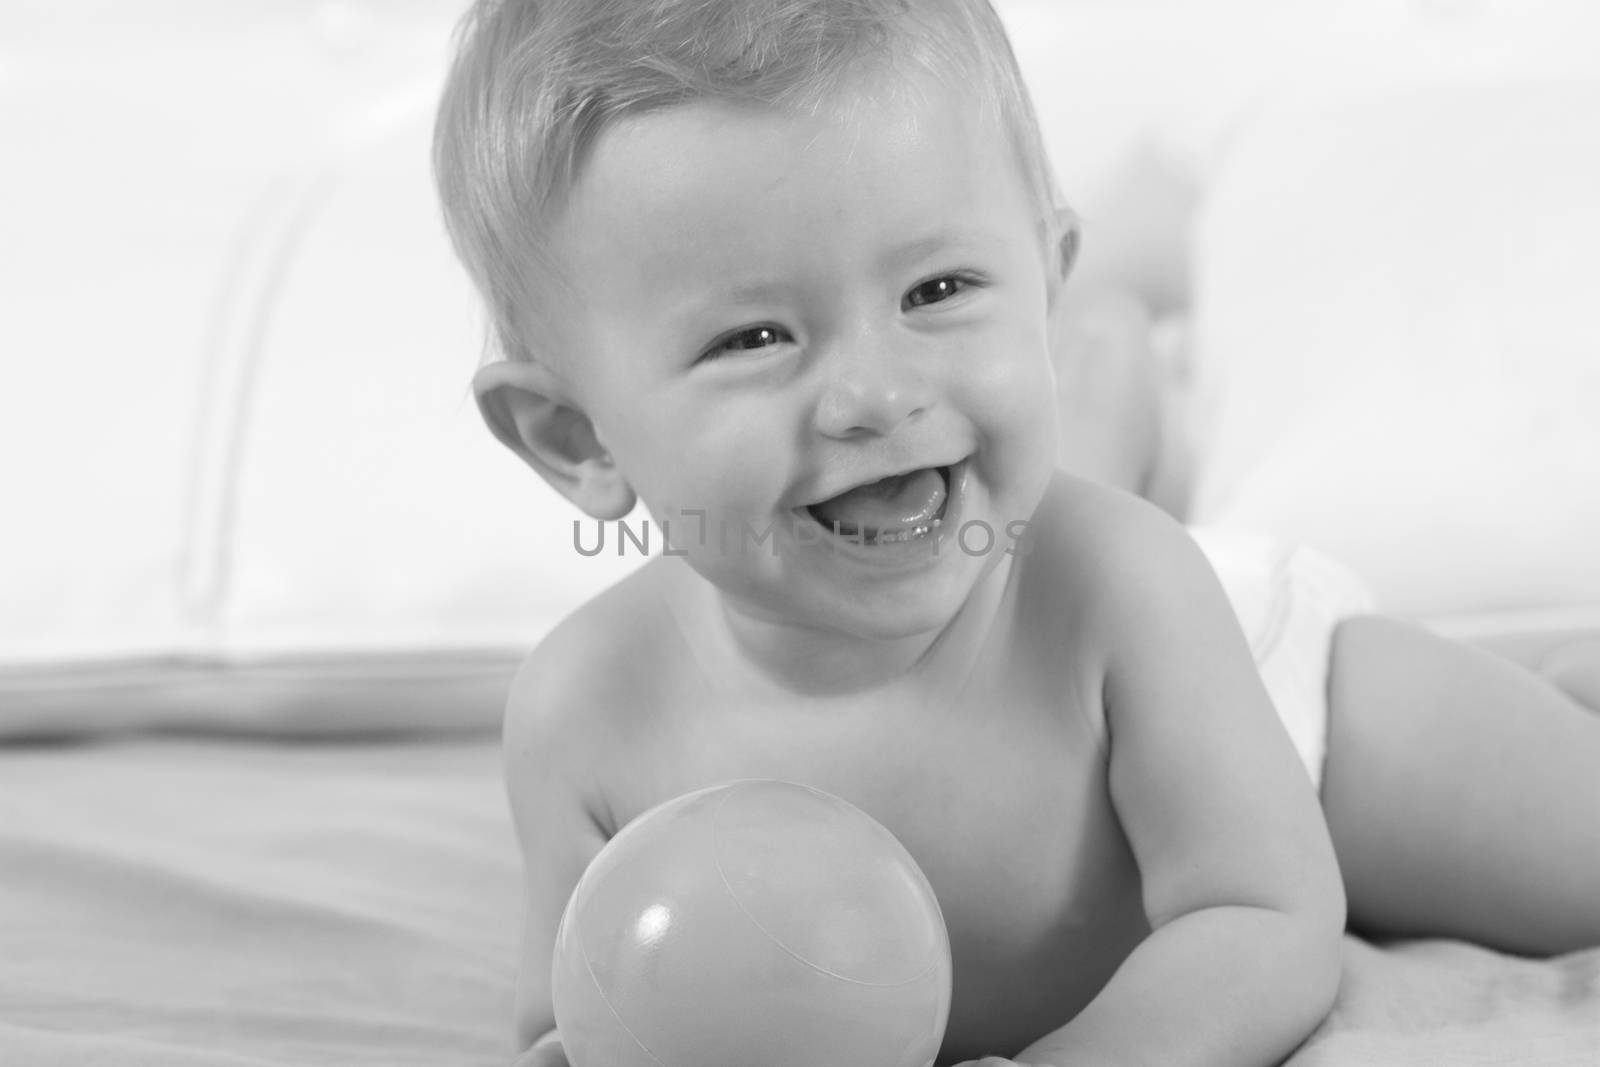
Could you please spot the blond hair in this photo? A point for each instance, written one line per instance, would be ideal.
(535, 82)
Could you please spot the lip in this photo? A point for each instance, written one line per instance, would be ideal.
(949, 468)
(937, 540)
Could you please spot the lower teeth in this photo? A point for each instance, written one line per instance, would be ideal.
(906, 535)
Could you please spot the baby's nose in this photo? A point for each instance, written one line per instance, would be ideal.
(873, 394)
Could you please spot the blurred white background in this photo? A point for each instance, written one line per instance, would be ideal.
(235, 432)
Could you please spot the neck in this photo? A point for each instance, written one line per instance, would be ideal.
(805, 662)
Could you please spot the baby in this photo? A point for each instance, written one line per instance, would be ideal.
(787, 272)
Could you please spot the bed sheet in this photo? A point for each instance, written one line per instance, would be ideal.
(248, 903)
(176, 902)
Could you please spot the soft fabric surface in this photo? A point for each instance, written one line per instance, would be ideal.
(1447, 1004)
(169, 902)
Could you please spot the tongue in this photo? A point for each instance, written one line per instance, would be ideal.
(895, 503)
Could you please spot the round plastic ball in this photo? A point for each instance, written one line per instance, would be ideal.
(752, 923)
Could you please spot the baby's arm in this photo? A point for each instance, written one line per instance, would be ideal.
(1240, 883)
(556, 830)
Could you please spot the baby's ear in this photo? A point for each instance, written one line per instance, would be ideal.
(1065, 236)
(526, 408)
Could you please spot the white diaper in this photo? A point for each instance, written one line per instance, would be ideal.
(1289, 601)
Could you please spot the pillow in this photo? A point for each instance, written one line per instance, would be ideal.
(1395, 291)
(246, 484)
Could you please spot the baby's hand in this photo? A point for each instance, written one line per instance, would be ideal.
(999, 1061)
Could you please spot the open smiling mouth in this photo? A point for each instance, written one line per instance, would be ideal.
(900, 508)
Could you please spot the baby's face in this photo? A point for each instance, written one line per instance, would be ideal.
(773, 310)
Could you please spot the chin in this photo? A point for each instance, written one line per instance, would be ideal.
(907, 609)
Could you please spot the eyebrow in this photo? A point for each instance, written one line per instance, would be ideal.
(912, 251)
(747, 293)
(759, 292)
(690, 315)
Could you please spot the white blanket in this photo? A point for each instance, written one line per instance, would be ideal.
(181, 902)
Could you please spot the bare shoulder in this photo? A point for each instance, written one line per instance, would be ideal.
(563, 708)
(1109, 557)
(1104, 571)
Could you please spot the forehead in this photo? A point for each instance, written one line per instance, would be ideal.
(714, 185)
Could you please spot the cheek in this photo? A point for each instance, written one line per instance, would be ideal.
(726, 462)
(1013, 406)
(1014, 389)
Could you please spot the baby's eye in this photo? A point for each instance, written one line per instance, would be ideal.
(747, 340)
(937, 290)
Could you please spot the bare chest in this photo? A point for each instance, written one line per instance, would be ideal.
(1002, 801)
